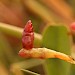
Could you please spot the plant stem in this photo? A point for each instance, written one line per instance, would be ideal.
(17, 32)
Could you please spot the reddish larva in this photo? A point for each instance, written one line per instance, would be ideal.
(28, 36)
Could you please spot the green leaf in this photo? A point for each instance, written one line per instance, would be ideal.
(56, 38)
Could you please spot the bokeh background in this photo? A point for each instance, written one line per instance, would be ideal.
(42, 13)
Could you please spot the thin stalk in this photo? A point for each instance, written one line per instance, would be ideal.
(27, 71)
(16, 67)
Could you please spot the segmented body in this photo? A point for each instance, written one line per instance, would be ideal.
(28, 36)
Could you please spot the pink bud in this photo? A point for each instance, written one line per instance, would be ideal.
(72, 26)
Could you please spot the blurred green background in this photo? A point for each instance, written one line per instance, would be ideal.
(51, 20)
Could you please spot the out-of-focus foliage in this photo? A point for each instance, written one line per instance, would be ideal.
(56, 38)
(42, 13)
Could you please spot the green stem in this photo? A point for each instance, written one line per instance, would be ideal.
(11, 30)
(17, 32)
